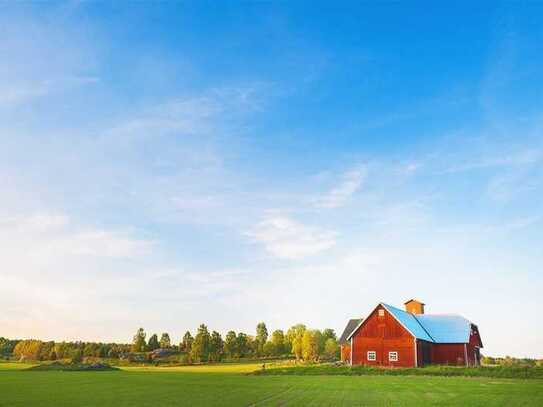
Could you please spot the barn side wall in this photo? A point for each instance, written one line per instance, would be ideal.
(383, 334)
(345, 353)
(424, 353)
(448, 354)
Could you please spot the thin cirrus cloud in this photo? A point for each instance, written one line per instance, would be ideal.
(338, 196)
(286, 238)
(53, 238)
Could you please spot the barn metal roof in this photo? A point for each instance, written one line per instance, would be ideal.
(446, 328)
(410, 322)
(432, 328)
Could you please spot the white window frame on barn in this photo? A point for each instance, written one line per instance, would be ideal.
(381, 312)
(392, 356)
(372, 355)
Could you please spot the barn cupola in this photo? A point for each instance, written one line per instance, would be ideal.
(414, 307)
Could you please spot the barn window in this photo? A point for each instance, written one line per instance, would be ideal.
(372, 355)
(393, 356)
(381, 312)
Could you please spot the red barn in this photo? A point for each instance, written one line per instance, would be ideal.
(392, 337)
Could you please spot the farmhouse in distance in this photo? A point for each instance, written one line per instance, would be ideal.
(390, 336)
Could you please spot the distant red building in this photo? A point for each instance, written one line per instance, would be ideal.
(392, 337)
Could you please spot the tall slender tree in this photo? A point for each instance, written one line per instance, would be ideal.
(261, 337)
(138, 343)
(216, 347)
(231, 344)
(242, 342)
(200, 346)
(186, 343)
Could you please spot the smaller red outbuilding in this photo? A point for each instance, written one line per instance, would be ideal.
(390, 336)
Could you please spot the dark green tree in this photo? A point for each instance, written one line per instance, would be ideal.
(153, 342)
(186, 343)
(200, 347)
(216, 347)
(243, 347)
(278, 341)
(261, 337)
(329, 333)
(231, 344)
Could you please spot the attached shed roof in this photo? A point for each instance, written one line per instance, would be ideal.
(351, 326)
(446, 328)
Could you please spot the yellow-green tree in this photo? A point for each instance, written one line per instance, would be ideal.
(28, 349)
(310, 346)
(294, 338)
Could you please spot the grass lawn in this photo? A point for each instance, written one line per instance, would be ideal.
(227, 385)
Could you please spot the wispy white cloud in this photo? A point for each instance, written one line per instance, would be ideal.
(45, 238)
(506, 159)
(189, 116)
(514, 184)
(286, 238)
(339, 195)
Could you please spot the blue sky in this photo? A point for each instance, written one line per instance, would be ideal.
(167, 164)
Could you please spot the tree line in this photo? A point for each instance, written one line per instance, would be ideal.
(204, 346)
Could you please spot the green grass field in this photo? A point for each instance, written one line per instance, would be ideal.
(230, 385)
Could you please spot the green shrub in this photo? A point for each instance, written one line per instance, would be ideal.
(73, 367)
(481, 371)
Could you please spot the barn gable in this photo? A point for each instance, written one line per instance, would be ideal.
(409, 322)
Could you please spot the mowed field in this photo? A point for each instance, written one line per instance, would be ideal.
(230, 385)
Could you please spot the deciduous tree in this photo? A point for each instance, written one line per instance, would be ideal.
(186, 343)
(216, 347)
(261, 337)
(200, 347)
(331, 348)
(165, 342)
(278, 341)
(294, 337)
(242, 344)
(310, 346)
(231, 344)
(28, 349)
(138, 343)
